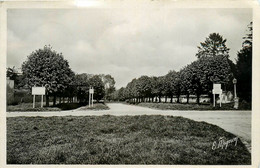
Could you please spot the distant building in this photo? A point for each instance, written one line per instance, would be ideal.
(9, 90)
(10, 83)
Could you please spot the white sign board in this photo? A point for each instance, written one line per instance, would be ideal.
(38, 90)
(217, 89)
(91, 91)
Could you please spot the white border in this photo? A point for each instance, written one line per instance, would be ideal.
(254, 4)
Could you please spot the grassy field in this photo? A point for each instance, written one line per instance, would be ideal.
(192, 106)
(118, 140)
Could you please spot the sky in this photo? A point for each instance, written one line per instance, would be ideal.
(125, 43)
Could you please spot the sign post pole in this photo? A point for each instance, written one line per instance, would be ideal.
(236, 100)
(217, 90)
(91, 95)
(220, 95)
(89, 99)
(92, 99)
(42, 102)
(235, 90)
(213, 100)
(33, 101)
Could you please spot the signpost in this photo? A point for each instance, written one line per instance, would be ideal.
(217, 90)
(38, 91)
(236, 99)
(91, 93)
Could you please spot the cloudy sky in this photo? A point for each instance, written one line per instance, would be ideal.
(125, 43)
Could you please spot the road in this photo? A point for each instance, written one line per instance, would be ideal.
(236, 122)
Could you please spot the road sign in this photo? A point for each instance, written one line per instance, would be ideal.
(91, 91)
(217, 89)
(38, 90)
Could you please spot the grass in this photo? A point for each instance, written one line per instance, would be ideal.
(96, 107)
(63, 106)
(29, 107)
(192, 106)
(119, 140)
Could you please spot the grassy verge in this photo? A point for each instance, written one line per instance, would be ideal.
(69, 106)
(96, 106)
(63, 106)
(119, 140)
(29, 107)
(179, 106)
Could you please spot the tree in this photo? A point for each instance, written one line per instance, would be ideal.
(143, 87)
(160, 87)
(249, 36)
(109, 83)
(171, 84)
(185, 75)
(11, 73)
(206, 71)
(244, 67)
(99, 87)
(46, 67)
(121, 96)
(81, 82)
(214, 45)
(154, 88)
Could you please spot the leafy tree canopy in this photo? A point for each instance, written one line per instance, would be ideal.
(99, 87)
(46, 67)
(214, 45)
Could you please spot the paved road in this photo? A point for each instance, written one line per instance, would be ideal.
(236, 122)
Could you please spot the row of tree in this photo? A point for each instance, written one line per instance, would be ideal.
(212, 66)
(196, 78)
(45, 67)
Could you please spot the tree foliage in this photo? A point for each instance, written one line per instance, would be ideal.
(197, 78)
(109, 83)
(244, 67)
(99, 87)
(214, 45)
(46, 67)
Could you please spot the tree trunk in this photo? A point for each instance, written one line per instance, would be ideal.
(210, 97)
(198, 99)
(47, 100)
(171, 98)
(159, 99)
(178, 98)
(188, 97)
(59, 100)
(54, 100)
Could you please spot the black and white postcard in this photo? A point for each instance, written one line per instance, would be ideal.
(122, 83)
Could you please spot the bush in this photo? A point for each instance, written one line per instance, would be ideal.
(10, 96)
(69, 106)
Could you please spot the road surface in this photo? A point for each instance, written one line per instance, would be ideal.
(236, 122)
